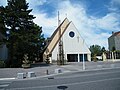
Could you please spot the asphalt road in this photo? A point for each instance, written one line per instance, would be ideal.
(88, 80)
(4, 84)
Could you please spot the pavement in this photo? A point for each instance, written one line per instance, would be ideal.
(40, 69)
(105, 79)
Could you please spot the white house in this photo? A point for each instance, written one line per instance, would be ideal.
(73, 47)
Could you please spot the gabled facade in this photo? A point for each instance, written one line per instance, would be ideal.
(73, 45)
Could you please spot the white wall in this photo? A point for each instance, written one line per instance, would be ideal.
(75, 44)
(72, 45)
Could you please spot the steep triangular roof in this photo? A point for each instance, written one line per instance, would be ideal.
(56, 36)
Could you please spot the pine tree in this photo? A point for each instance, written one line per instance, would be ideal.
(25, 36)
(2, 26)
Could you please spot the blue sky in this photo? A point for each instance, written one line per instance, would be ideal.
(95, 19)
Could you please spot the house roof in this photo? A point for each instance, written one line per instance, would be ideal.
(58, 28)
(115, 34)
(54, 39)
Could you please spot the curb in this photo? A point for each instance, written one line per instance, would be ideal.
(64, 72)
(1, 79)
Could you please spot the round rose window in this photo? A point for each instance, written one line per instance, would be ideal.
(72, 34)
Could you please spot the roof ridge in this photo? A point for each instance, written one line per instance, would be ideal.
(62, 34)
(57, 29)
(66, 24)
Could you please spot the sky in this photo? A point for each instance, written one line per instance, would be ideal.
(95, 19)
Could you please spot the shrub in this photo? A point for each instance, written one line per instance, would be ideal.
(26, 62)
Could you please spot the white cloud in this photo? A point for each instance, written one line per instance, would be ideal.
(109, 22)
(114, 6)
(35, 3)
(93, 30)
(86, 25)
(48, 24)
(89, 27)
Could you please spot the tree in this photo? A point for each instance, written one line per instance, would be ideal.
(113, 49)
(2, 26)
(96, 50)
(103, 49)
(25, 36)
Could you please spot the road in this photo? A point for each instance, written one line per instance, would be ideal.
(4, 84)
(87, 80)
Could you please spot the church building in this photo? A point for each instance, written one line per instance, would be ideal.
(66, 43)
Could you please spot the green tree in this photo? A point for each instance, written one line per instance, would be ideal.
(24, 35)
(96, 50)
(2, 26)
(113, 49)
(103, 50)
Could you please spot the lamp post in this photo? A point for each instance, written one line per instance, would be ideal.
(83, 58)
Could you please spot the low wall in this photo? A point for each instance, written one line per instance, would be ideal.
(112, 60)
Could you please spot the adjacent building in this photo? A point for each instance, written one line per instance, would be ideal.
(66, 42)
(114, 41)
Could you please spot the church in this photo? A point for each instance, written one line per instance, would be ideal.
(66, 43)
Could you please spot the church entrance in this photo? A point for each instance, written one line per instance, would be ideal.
(72, 57)
(83, 57)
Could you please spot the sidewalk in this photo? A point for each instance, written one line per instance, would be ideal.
(40, 69)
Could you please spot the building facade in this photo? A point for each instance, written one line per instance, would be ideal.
(67, 40)
(114, 41)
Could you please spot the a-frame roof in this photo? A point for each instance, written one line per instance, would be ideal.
(56, 36)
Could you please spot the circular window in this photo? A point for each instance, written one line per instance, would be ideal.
(71, 34)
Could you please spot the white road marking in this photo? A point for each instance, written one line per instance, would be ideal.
(6, 79)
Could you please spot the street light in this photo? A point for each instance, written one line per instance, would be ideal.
(83, 59)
